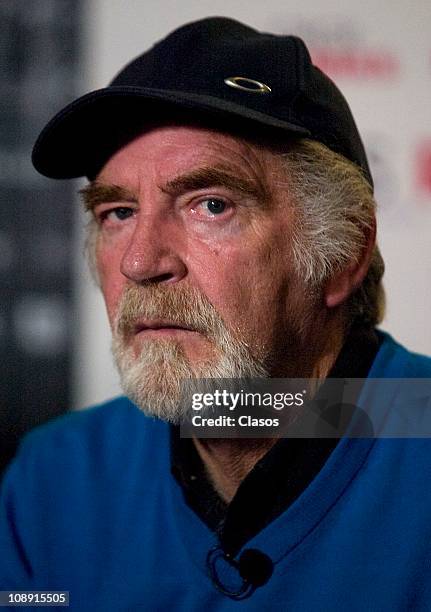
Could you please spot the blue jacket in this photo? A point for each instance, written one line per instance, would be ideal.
(89, 506)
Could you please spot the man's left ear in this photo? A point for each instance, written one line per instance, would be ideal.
(344, 282)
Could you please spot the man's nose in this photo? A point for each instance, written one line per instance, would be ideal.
(152, 254)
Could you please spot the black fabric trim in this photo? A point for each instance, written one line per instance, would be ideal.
(189, 471)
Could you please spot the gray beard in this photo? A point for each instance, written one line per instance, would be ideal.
(157, 380)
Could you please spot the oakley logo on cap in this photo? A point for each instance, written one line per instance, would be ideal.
(249, 85)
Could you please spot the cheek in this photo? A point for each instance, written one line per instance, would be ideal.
(241, 283)
(111, 280)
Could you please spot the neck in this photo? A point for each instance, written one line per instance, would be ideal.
(228, 461)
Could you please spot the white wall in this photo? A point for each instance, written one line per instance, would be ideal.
(380, 56)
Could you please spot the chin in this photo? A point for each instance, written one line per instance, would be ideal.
(156, 379)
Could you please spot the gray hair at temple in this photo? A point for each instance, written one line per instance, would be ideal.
(336, 209)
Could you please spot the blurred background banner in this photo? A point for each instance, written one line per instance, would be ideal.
(55, 346)
(39, 64)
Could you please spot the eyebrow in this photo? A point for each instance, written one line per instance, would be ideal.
(97, 193)
(202, 178)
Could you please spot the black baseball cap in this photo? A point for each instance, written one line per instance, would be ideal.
(217, 71)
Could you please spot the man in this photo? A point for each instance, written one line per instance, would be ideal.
(233, 236)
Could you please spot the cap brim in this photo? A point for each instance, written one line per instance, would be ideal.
(82, 137)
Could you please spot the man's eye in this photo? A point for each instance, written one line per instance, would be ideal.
(121, 213)
(214, 206)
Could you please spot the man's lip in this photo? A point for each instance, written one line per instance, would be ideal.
(142, 326)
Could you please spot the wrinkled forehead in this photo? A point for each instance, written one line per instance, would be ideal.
(175, 149)
(260, 143)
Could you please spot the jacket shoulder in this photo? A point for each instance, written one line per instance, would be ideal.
(99, 436)
(394, 360)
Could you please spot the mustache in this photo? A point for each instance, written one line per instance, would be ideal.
(182, 306)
